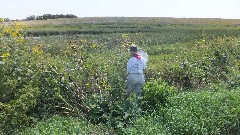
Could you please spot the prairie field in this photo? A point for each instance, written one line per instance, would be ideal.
(67, 76)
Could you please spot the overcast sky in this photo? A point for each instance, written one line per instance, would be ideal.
(20, 9)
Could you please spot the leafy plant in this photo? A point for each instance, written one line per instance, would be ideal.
(65, 125)
(156, 94)
(204, 112)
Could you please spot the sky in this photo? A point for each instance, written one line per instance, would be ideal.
(20, 9)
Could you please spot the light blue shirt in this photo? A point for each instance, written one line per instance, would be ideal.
(135, 65)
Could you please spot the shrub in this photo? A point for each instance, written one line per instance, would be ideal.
(18, 92)
(156, 94)
(14, 114)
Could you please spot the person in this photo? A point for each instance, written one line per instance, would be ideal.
(135, 71)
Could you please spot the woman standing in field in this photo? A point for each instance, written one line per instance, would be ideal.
(135, 71)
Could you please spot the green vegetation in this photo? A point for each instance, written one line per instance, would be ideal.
(204, 112)
(65, 125)
(50, 16)
(71, 79)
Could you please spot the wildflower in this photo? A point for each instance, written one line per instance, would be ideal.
(124, 36)
(94, 45)
(37, 49)
(26, 25)
(5, 55)
(73, 46)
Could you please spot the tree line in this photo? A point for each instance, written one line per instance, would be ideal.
(43, 17)
(50, 16)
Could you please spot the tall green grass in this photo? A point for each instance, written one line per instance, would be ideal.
(204, 112)
(59, 125)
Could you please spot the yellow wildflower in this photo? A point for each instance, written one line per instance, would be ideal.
(26, 25)
(37, 49)
(5, 55)
(124, 36)
(94, 45)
